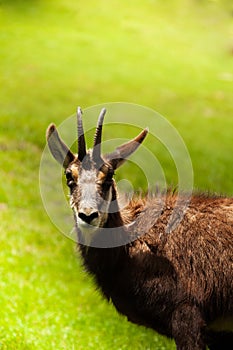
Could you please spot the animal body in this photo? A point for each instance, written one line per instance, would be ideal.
(180, 283)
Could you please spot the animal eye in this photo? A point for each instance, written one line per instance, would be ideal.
(108, 179)
(109, 175)
(69, 179)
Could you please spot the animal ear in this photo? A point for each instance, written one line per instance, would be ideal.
(121, 153)
(57, 147)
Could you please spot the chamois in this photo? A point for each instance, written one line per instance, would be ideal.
(180, 283)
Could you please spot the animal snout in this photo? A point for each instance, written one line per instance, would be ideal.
(88, 215)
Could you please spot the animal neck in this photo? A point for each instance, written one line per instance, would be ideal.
(107, 245)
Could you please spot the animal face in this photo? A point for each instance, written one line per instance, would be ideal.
(90, 192)
(89, 174)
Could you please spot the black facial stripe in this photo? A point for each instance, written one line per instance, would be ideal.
(69, 179)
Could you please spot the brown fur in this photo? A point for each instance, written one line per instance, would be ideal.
(178, 282)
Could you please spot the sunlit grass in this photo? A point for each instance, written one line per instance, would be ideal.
(175, 57)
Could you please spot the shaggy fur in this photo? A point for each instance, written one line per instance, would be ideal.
(179, 283)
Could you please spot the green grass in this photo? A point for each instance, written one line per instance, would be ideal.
(172, 56)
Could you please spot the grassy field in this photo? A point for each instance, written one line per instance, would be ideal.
(172, 56)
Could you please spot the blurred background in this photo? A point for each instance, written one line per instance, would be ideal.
(175, 57)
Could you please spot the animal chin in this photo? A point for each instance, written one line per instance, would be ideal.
(87, 228)
(88, 231)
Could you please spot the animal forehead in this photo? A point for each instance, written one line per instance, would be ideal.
(87, 175)
(88, 170)
(91, 176)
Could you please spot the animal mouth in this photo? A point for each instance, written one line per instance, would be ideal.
(89, 225)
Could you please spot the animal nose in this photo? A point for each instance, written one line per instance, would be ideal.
(88, 216)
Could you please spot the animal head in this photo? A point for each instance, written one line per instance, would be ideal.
(89, 174)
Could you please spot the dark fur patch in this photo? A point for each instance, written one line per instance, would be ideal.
(175, 283)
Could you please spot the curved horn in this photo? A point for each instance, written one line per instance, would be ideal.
(81, 138)
(98, 135)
